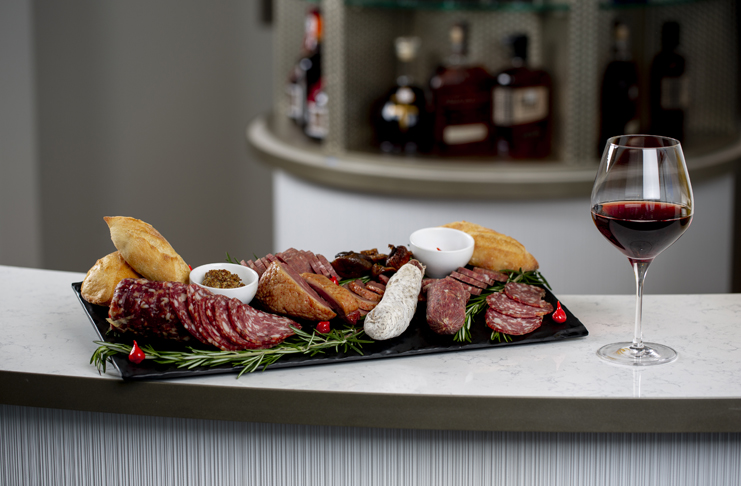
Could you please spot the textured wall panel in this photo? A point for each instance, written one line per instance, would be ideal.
(54, 447)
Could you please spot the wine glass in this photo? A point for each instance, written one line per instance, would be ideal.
(642, 203)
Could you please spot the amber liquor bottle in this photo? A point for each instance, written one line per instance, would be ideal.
(522, 100)
(400, 117)
(669, 90)
(461, 102)
(619, 97)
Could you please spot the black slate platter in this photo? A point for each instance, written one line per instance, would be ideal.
(416, 340)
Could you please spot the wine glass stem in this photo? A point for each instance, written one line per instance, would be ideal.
(640, 267)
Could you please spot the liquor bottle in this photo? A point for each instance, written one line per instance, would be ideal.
(400, 118)
(307, 71)
(619, 98)
(317, 112)
(461, 101)
(669, 91)
(522, 100)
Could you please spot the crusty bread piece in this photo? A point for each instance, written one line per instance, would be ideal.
(146, 250)
(495, 251)
(101, 280)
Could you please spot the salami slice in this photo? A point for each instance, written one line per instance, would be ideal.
(514, 326)
(481, 277)
(497, 276)
(222, 322)
(504, 305)
(260, 329)
(524, 293)
(446, 306)
(205, 309)
(179, 301)
(466, 279)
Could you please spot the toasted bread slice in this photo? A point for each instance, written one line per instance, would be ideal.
(146, 250)
(496, 251)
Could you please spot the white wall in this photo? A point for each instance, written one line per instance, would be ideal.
(20, 237)
(573, 255)
(140, 110)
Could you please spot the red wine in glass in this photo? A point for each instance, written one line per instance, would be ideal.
(641, 203)
(641, 229)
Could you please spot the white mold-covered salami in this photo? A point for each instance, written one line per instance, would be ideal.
(392, 315)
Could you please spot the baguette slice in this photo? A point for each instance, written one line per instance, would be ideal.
(101, 280)
(146, 250)
(495, 251)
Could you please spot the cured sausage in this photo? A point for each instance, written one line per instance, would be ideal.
(260, 329)
(514, 326)
(524, 293)
(504, 305)
(392, 315)
(446, 306)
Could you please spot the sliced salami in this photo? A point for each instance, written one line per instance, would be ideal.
(446, 306)
(466, 279)
(260, 329)
(481, 277)
(205, 309)
(471, 289)
(222, 322)
(497, 276)
(195, 294)
(504, 305)
(179, 301)
(514, 326)
(524, 293)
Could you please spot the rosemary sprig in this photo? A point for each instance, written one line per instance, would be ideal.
(477, 304)
(249, 360)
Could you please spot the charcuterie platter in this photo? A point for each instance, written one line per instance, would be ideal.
(296, 308)
(416, 340)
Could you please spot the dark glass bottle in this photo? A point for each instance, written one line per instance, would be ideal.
(619, 97)
(316, 122)
(669, 90)
(522, 100)
(307, 71)
(461, 102)
(400, 118)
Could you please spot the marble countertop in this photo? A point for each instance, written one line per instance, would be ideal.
(47, 341)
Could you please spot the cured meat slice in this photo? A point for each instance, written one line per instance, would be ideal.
(514, 326)
(384, 279)
(260, 329)
(524, 293)
(331, 272)
(195, 294)
(222, 322)
(497, 276)
(504, 305)
(260, 266)
(481, 277)
(143, 307)
(358, 287)
(250, 264)
(364, 304)
(466, 279)
(295, 259)
(315, 264)
(283, 291)
(339, 298)
(446, 306)
(179, 301)
(376, 287)
(471, 289)
(205, 312)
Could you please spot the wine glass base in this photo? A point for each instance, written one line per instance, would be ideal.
(623, 354)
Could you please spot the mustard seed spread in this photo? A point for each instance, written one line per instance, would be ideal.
(222, 279)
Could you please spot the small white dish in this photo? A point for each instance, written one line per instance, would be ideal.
(248, 276)
(441, 250)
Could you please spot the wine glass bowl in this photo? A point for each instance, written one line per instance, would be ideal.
(642, 203)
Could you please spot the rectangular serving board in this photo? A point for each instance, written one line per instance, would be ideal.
(416, 340)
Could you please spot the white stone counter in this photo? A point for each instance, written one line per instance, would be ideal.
(47, 341)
